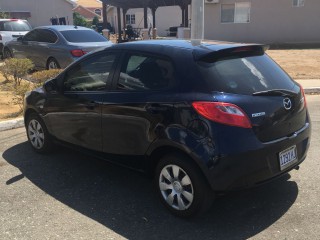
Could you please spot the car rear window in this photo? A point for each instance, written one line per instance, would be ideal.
(245, 75)
(79, 36)
(15, 26)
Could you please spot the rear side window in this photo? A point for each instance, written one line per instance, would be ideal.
(15, 26)
(143, 72)
(245, 75)
(78, 36)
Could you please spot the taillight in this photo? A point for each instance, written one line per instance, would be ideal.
(78, 52)
(225, 113)
(303, 96)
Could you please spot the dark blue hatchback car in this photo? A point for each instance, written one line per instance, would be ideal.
(200, 117)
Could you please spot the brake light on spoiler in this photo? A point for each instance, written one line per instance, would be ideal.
(225, 113)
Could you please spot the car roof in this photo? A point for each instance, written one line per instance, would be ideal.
(170, 47)
(63, 27)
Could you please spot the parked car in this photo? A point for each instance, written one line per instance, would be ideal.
(199, 117)
(12, 29)
(55, 46)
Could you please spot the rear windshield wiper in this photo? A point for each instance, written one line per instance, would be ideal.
(275, 92)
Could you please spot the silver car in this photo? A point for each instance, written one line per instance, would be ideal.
(55, 46)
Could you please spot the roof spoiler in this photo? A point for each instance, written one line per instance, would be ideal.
(238, 51)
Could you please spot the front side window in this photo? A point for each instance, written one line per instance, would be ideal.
(32, 36)
(298, 3)
(92, 74)
(142, 73)
(236, 13)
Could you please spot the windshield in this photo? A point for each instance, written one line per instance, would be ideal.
(245, 75)
(80, 36)
(15, 26)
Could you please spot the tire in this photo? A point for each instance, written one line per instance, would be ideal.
(7, 53)
(38, 135)
(182, 187)
(52, 64)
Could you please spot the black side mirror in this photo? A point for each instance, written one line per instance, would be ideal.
(51, 86)
(20, 39)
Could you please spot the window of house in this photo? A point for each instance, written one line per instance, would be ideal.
(236, 13)
(98, 11)
(91, 74)
(131, 19)
(143, 73)
(298, 3)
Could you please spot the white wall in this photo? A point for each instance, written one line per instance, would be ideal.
(167, 17)
(41, 10)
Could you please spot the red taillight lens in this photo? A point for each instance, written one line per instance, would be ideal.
(78, 52)
(303, 95)
(225, 113)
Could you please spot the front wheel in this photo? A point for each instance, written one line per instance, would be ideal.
(181, 186)
(38, 135)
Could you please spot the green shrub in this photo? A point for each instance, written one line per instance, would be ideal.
(19, 91)
(15, 69)
(38, 78)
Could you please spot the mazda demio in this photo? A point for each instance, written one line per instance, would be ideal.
(200, 117)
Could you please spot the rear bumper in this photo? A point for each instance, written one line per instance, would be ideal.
(256, 166)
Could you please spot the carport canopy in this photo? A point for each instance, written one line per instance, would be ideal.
(145, 4)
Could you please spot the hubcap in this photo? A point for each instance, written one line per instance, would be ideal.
(176, 187)
(52, 65)
(36, 134)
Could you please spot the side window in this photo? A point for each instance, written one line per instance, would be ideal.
(32, 36)
(142, 72)
(91, 74)
(47, 36)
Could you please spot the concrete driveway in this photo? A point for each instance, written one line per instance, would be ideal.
(68, 195)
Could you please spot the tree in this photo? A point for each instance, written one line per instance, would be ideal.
(78, 20)
(95, 21)
(4, 15)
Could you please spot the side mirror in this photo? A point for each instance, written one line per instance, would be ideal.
(51, 86)
(20, 39)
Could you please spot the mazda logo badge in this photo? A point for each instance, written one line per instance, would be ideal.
(287, 103)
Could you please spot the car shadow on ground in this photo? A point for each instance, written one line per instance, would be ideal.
(124, 201)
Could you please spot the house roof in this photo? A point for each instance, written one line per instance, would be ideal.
(89, 3)
(85, 12)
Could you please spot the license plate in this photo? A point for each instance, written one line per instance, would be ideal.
(288, 157)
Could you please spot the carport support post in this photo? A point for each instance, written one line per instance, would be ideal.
(124, 12)
(154, 17)
(197, 19)
(119, 24)
(104, 15)
(145, 16)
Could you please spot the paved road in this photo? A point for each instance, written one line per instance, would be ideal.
(72, 196)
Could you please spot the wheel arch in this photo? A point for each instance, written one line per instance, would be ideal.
(28, 112)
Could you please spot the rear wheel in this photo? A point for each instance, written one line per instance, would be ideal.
(38, 135)
(52, 64)
(182, 187)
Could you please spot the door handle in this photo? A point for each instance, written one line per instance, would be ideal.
(91, 105)
(155, 108)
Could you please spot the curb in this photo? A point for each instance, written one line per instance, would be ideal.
(314, 90)
(19, 122)
(11, 124)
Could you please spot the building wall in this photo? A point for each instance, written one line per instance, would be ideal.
(271, 21)
(167, 17)
(41, 11)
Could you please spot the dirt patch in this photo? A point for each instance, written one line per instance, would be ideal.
(300, 64)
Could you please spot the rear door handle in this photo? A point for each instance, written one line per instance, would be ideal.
(156, 108)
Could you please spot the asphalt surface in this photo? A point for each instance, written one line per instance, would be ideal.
(68, 195)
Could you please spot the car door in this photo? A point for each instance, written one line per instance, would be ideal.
(74, 115)
(25, 47)
(138, 106)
